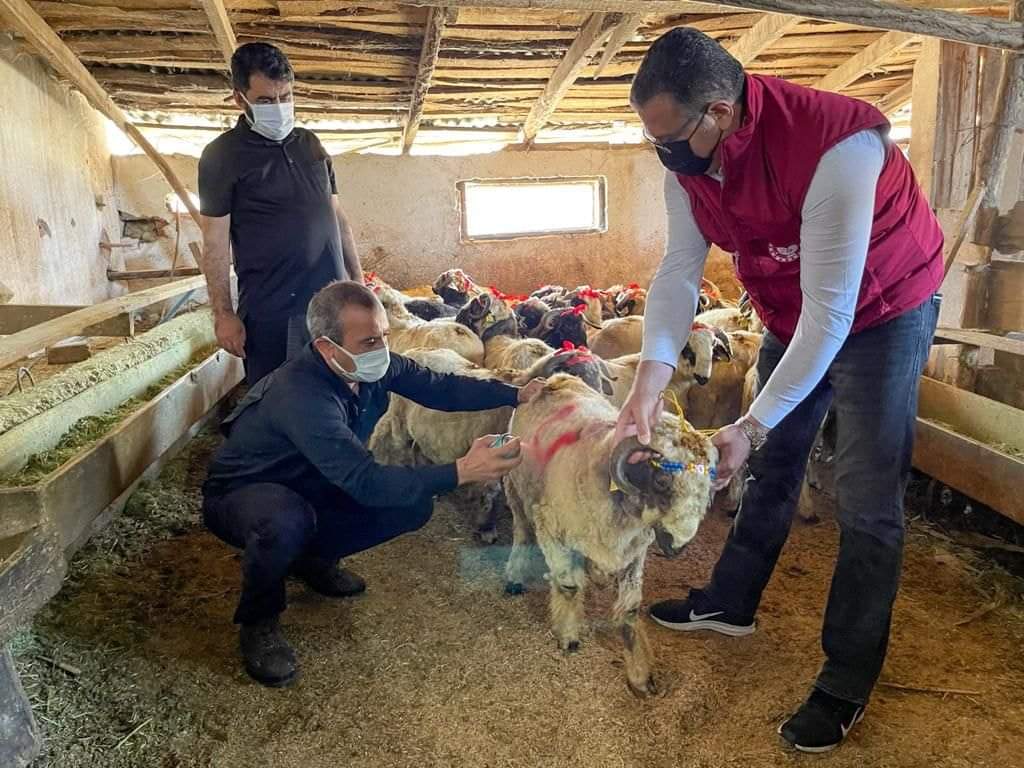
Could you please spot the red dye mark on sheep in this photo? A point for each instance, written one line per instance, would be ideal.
(583, 355)
(540, 455)
(578, 310)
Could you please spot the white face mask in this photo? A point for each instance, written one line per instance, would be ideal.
(370, 366)
(272, 121)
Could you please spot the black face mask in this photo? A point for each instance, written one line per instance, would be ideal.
(679, 157)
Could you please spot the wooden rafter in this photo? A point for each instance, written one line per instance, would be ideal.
(621, 35)
(875, 14)
(437, 19)
(220, 23)
(35, 30)
(583, 48)
(896, 98)
(858, 65)
(768, 29)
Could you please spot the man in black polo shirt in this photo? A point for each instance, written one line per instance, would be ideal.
(267, 191)
(293, 484)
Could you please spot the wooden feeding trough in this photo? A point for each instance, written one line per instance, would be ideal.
(75, 493)
(972, 444)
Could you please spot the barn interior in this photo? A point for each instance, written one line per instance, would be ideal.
(494, 137)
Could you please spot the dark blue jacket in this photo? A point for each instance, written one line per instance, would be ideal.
(302, 425)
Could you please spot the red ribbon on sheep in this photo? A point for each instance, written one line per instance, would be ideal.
(583, 355)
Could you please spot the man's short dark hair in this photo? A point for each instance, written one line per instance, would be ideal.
(690, 66)
(323, 315)
(264, 58)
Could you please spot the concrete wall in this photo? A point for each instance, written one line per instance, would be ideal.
(406, 216)
(54, 166)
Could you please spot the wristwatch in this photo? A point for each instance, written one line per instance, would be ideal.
(757, 435)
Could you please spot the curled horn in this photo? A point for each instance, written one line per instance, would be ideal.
(723, 345)
(620, 465)
(636, 479)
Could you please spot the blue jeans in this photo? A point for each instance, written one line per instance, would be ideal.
(872, 385)
(275, 526)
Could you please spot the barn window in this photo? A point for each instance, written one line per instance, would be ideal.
(495, 209)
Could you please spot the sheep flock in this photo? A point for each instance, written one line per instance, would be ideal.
(581, 506)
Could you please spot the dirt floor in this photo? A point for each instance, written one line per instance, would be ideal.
(135, 664)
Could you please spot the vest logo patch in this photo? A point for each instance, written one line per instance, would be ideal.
(784, 253)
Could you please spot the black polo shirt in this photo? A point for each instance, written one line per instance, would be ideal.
(284, 231)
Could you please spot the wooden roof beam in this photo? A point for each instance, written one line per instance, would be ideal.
(437, 19)
(220, 23)
(621, 35)
(896, 98)
(860, 64)
(874, 14)
(767, 30)
(31, 26)
(583, 48)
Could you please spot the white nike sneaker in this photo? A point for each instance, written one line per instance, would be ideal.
(689, 616)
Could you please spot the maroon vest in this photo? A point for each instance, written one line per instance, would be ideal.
(755, 213)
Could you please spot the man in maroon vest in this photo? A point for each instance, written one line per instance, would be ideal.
(842, 258)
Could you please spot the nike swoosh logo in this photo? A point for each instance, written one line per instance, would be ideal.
(847, 728)
(702, 616)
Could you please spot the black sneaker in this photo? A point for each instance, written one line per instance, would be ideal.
(328, 578)
(269, 659)
(691, 614)
(821, 723)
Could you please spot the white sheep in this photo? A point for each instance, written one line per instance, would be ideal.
(592, 511)
(720, 402)
(410, 433)
(492, 319)
(704, 348)
(410, 332)
(617, 337)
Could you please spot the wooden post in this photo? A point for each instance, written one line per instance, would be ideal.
(30, 25)
(437, 19)
(874, 14)
(19, 737)
(996, 151)
(925, 114)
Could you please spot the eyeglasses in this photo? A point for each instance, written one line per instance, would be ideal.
(664, 145)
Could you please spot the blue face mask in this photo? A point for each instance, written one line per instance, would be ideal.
(370, 366)
(679, 157)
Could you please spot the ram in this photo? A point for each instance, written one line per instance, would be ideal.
(411, 434)
(594, 508)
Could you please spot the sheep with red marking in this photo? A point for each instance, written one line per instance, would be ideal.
(409, 433)
(594, 508)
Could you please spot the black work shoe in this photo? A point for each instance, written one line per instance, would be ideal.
(328, 578)
(691, 615)
(268, 657)
(821, 723)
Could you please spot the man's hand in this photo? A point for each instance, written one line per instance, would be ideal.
(733, 451)
(642, 408)
(230, 332)
(531, 390)
(484, 464)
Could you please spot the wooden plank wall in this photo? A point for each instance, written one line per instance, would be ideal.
(955, 90)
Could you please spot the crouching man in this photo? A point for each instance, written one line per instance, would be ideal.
(294, 486)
